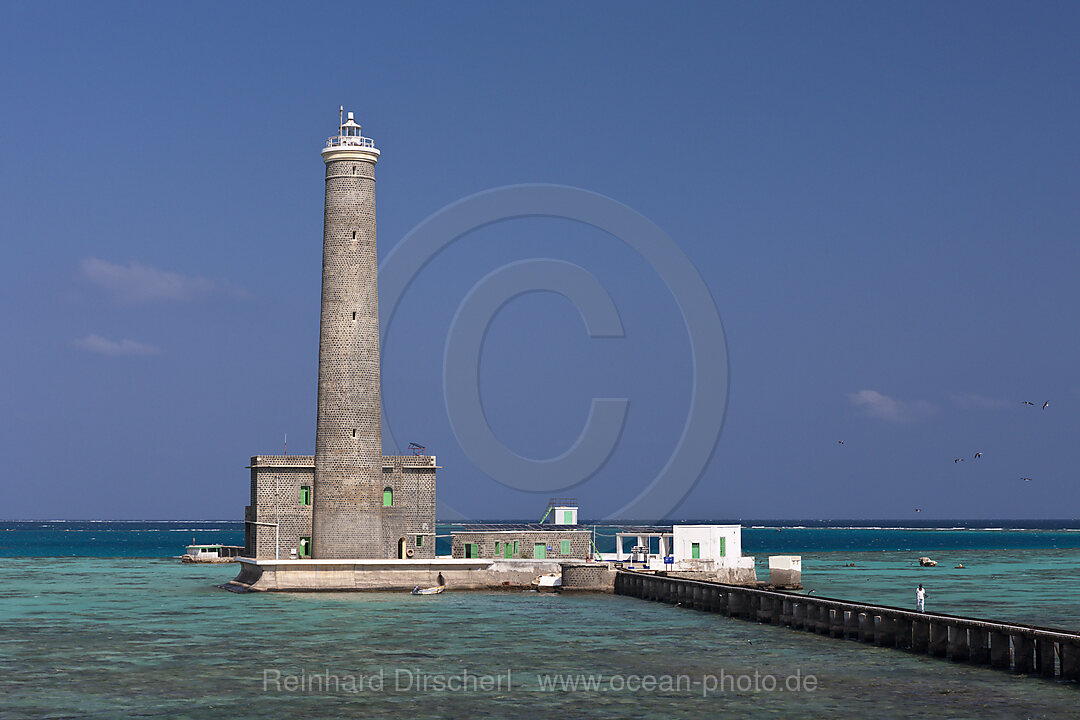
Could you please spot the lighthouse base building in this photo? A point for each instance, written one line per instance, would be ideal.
(278, 521)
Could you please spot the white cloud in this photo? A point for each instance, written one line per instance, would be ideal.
(883, 407)
(974, 400)
(114, 348)
(138, 283)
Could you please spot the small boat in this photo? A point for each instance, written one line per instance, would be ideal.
(212, 553)
(549, 582)
(427, 591)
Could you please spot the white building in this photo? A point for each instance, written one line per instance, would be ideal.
(686, 548)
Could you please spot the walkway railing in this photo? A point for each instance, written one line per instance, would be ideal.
(349, 141)
(1022, 649)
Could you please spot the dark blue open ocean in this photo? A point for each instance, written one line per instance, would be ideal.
(98, 619)
(140, 538)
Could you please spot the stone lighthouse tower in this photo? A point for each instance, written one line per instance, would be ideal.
(348, 501)
(348, 485)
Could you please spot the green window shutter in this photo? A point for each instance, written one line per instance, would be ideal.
(419, 541)
(496, 548)
(515, 547)
(723, 549)
(539, 551)
(695, 551)
(387, 497)
(564, 547)
(568, 517)
(305, 494)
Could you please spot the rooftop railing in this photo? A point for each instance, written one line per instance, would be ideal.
(349, 141)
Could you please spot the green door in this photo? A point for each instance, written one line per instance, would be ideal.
(539, 551)
(568, 517)
(695, 551)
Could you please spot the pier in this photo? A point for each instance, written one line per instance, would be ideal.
(1013, 647)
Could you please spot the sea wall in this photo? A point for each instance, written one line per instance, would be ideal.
(588, 577)
(389, 575)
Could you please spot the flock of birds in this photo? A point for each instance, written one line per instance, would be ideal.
(978, 453)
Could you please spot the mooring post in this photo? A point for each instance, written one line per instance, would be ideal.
(885, 632)
(1046, 657)
(1000, 650)
(798, 615)
(920, 635)
(958, 643)
(749, 606)
(978, 646)
(939, 638)
(735, 600)
(834, 621)
(839, 621)
(866, 627)
(903, 628)
(1023, 654)
(825, 620)
(813, 617)
(1070, 661)
(770, 610)
(851, 624)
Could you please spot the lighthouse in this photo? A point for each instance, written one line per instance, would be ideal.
(348, 496)
(348, 500)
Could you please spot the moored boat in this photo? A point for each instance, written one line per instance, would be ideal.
(211, 553)
(549, 582)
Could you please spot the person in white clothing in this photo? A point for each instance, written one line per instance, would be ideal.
(920, 599)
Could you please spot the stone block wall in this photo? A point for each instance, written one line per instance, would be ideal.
(412, 480)
(348, 518)
(276, 482)
(591, 576)
(275, 498)
(580, 542)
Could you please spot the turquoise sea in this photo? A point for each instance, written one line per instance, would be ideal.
(97, 620)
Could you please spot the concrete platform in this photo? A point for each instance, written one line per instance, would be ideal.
(392, 575)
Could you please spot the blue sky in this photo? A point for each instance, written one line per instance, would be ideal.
(880, 198)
